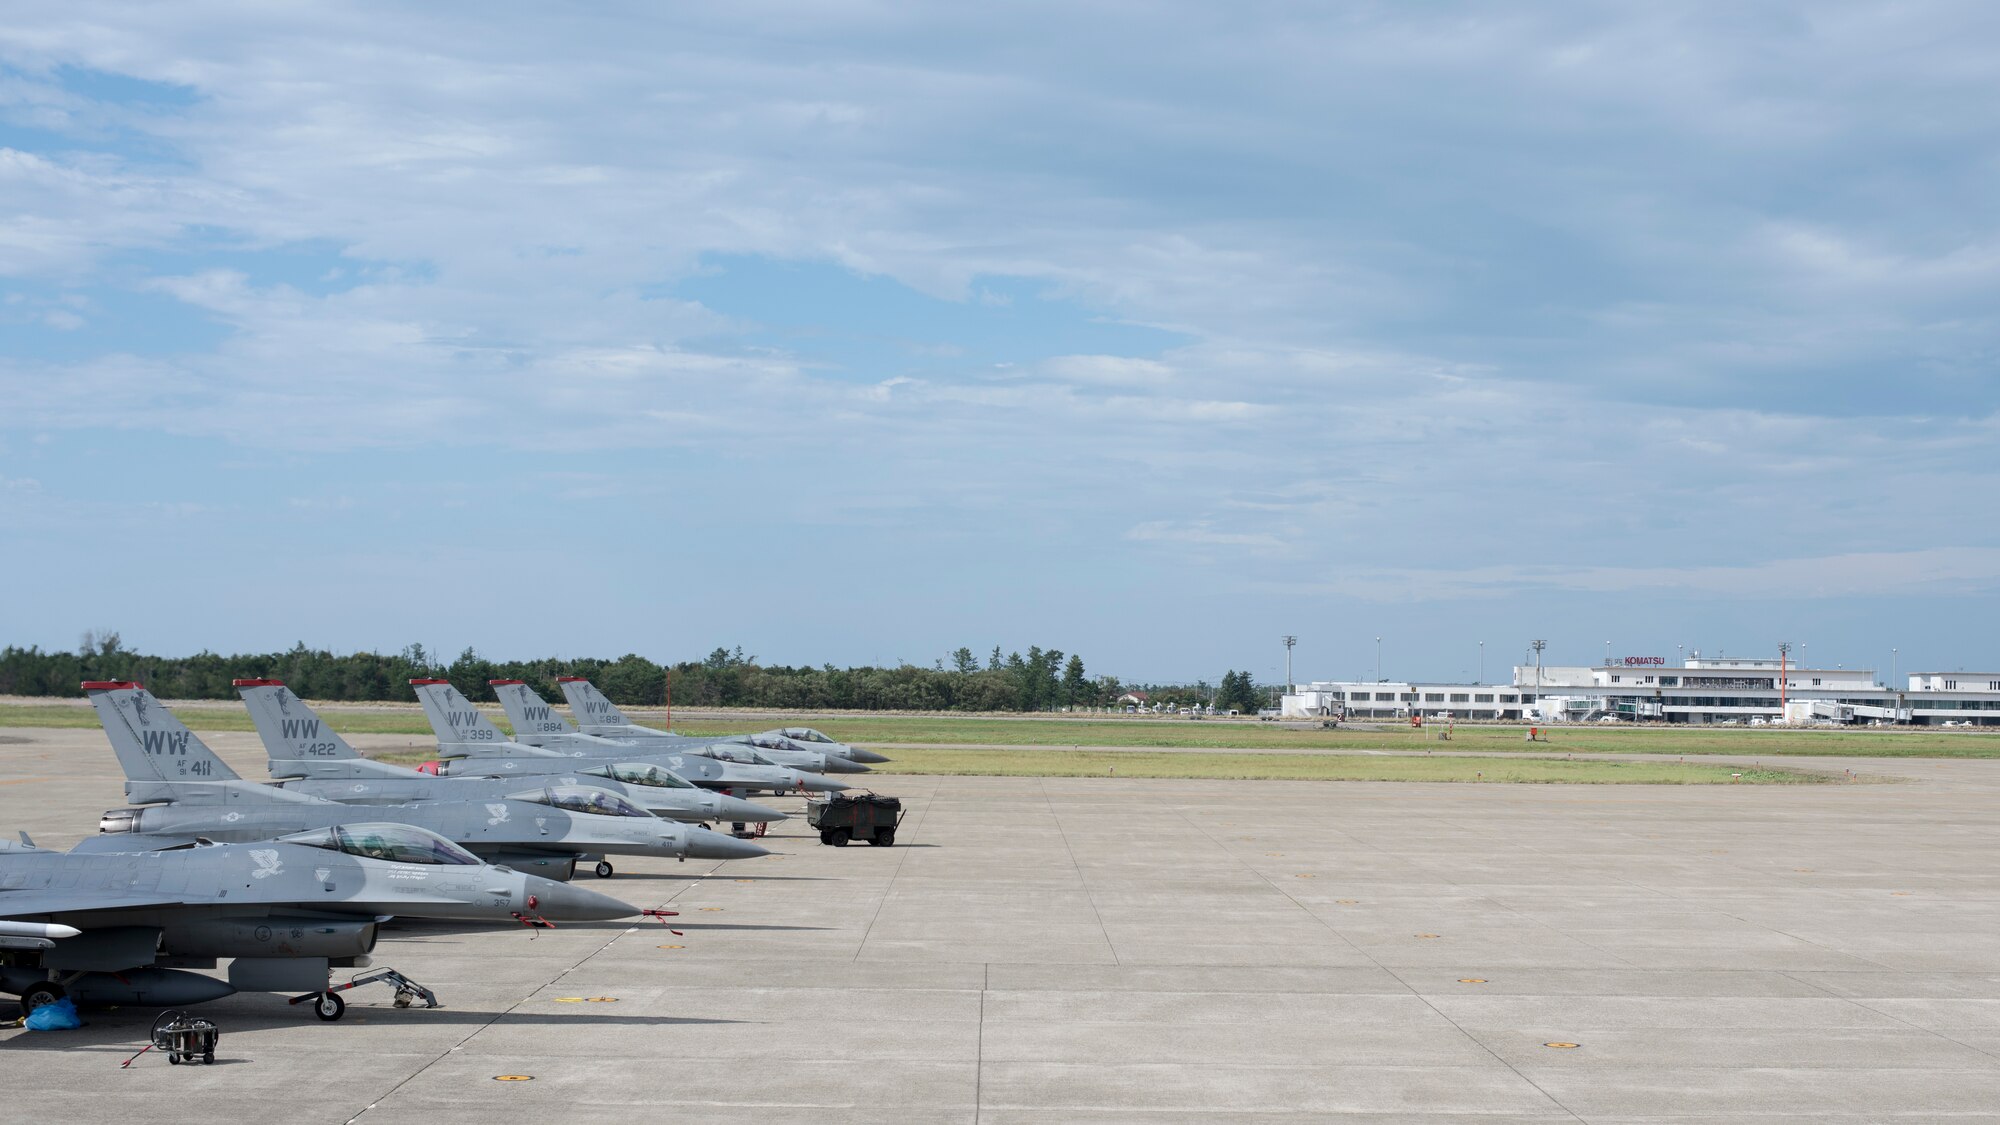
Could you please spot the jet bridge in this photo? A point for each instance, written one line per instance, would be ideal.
(1831, 711)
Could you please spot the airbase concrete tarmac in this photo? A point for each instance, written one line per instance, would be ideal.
(1161, 951)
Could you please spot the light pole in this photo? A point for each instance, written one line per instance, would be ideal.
(1683, 657)
(1607, 654)
(1482, 663)
(1378, 660)
(1784, 654)
(1289, 642)
(1893, 686)
(1538, 646)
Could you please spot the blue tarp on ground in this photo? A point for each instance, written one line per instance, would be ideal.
(59, 1016)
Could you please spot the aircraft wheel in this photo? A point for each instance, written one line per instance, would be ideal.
(604, 869)
(40, 993)
(329, 1007)
(840, 837)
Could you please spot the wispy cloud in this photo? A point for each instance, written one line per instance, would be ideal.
(1971, 571)
(1201, 533)
(1679, 283)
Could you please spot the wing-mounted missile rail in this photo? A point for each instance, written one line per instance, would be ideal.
(33, 935)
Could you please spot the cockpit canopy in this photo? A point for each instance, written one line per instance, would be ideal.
(640, 773)
(582, 799)
(804, 734)
(770, 742)
(397, 843)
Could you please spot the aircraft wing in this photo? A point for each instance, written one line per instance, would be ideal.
(123, 842)
(25, 904)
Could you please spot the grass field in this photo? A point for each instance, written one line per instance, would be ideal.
(890, 732)
(1218, 734)
(902, 734)
(1032, 762)
(210, 716)
(1325, 767)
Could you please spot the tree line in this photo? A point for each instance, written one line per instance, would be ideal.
(1040, 680)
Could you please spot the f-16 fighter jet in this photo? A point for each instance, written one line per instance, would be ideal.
(597, 715)
(537, 724)
(817, 741)
(196, 795)
(308, 757)
(457, 722)
(472, 744)
(758, 749)
(112, 922)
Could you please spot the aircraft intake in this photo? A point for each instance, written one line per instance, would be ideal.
(546, 864)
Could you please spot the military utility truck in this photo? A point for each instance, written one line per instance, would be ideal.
(855, 816)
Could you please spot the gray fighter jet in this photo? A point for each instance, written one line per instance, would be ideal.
(464, 734)
(757, 749)
(197, 796)
(818, 741)
(537, 724)
(461, 727)
(112, 922)
(307, 756)
(597, 715)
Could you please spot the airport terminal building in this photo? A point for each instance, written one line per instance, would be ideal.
(1648, 689)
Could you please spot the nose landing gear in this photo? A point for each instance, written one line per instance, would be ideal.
(328, 1005)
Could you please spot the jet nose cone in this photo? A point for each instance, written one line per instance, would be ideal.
(869, 756)
(843, 765)
(564, 902)
(704, 844)
(737, 809)
(819, 783)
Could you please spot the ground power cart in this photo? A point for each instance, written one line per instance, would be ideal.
(844, 816)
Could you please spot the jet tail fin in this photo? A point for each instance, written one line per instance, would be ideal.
(532, 717)
(287, 727)
(150, 743)
(589, 705)
(453, 717)
(26, 842)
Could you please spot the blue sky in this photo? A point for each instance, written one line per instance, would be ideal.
(855, 333)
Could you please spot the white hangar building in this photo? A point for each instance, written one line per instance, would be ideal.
(1643, 688)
